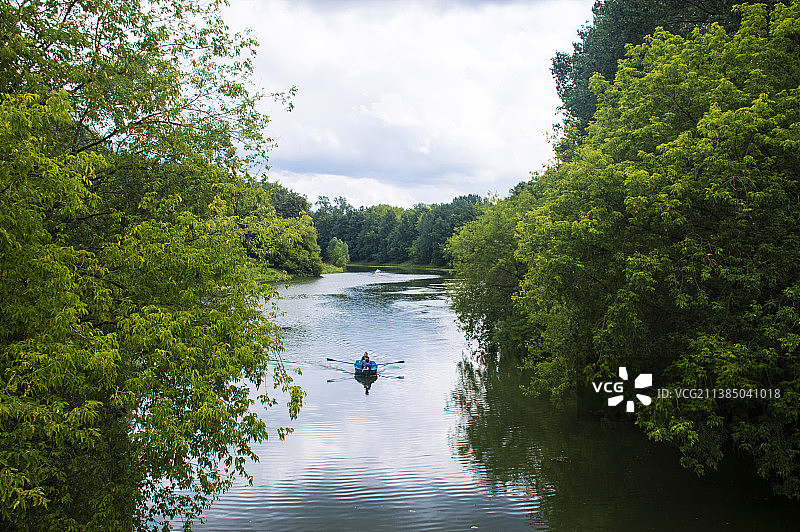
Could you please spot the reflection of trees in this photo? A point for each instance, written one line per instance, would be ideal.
(493, 436)
(492, 431)
(584, 476)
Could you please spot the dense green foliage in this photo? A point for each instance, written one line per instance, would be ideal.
(130, 321)
(287, 203)
(287, 244)
(382, 234)
(618, 23)
(338, 252)
(489, 273)
(666, 241)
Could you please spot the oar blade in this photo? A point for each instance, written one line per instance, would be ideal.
(342, 361)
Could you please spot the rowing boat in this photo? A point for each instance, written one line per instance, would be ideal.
(365, 371)
(368, 371)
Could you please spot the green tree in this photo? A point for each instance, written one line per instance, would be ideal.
(287, 203)
(437, 223)
(337, 220)
(401, 237)
(383, 233)
(338, 253)
(297, 251)
(130, 322)
(288, 244)
(488, 274)
(616, 24)
(668, 241)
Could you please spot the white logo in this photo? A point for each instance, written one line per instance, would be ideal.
(644, 380)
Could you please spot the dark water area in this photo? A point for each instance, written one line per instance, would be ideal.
(443, 443)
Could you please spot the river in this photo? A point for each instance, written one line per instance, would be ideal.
(441, 443)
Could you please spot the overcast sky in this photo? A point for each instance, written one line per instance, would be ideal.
(404, 101)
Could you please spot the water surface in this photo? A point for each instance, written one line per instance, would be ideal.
(442, 443)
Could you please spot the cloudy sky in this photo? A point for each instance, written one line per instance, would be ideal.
(409, 101)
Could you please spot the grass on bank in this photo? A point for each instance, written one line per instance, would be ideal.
(273, 275)
(330, 268)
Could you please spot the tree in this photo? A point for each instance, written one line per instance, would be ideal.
(668, 241)
(383, 233)
(289, 244)
(287, 203)
(335, 220)
(437, 223)
(489, 273)
(616, 24)
(338, 253)
(130, 321)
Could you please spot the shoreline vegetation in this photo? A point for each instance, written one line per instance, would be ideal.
(665, 238)
(382, 234)
(133, 240)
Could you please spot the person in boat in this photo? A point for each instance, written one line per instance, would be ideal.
(365, 363)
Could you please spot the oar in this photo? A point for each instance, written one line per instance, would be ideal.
(387, 363)
(342, 361)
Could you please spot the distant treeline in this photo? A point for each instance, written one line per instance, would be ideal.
(339, 232)
(383, 234)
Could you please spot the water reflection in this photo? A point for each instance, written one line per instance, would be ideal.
(593, 476)
(366, 381)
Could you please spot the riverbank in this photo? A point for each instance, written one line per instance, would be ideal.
(272, 275)
(403, 267)
(330, 268)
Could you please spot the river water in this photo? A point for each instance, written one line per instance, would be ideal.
(441, 443)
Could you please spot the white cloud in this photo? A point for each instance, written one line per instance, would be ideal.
(423, 99)
(366, 190)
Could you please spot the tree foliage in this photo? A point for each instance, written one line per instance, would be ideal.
(489, 273)
(292, 247)
(667, 242)
(130, 321)
(337, 252)
(287, 203)
(617, 24)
